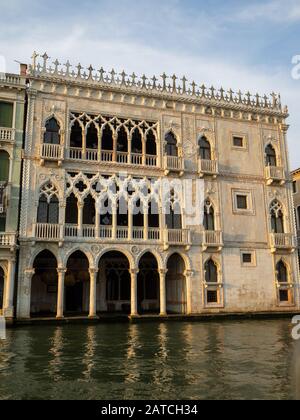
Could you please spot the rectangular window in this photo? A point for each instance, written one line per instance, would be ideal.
(2, 223)
(247, 258)
(212, 296)
(242, 202)
(284, 295)
(6, 114)
(238, 141)
(295, 187)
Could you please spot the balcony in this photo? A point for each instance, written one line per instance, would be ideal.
(7, 135)
(212, 240)
(282, 242)
(8, 240)
(71, 232)
(275, 174)
(51, 152)
(208, 167)
(173, 164)
(12, 79)
(108, 156)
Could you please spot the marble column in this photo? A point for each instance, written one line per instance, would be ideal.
(134, 309)
(8, 308)
(163, 292)
(93, 293)
(188, 275)
(61, 272)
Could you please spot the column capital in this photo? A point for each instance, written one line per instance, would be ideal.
(29, 272)
(163, 271)
(189, 273)
(134, 271)
(61, 270)
(284, 128)
(94, 271)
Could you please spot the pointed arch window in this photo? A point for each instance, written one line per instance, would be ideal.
(209, 216)
(277, 221)
(151, 148)
(122, 142)
(174, 216)
(211, 272)
(92, 137)
(205, 149)
(136, 142)
(282, 272)
(76, 135)
(71, 210)
(271, 158)
(48, 208)
(107, 139)
(52, 133)
(171, 145)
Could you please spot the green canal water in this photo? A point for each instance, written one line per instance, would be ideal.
(216, 360)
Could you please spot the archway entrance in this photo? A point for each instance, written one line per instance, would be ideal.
(44, 285)
(176, 285)
(1, 287)
(77, 284)
(115, 290)
(148, 285)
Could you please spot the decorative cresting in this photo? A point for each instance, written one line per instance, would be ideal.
(165, 85)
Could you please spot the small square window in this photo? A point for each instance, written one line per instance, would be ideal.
(284, 295)
(238, 141)
(247, 258)
(212, 296)
(242, 202)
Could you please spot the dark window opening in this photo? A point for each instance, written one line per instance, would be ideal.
(138, 215)
(238, 141)
(282, 274)
(247, 258)
(284, 295)
(76, 136)
(153, 215)
(52, 135)
(6, 114)
(136, 142)
(48, 212)
(171, 145)
(242, 202)
(209, 217)
(72, 210)
(4, 166)
(89, 211)
(205, 149)
(212, 296)
(211, 272)
(271, 159)
(122, 142)
(107, 139)
(92, 137)
(1, 287)
(151, 148)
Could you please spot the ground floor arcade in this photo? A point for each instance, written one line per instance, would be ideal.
(7, 282)
(113, 285)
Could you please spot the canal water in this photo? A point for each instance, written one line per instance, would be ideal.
(215, 360)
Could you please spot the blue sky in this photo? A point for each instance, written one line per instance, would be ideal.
(234, 43)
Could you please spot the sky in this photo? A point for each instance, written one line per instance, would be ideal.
(234, 43)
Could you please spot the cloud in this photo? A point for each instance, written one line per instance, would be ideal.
(278, 11)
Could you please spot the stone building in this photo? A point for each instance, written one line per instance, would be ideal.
(80, 254)
(12, 100)
(296, 192)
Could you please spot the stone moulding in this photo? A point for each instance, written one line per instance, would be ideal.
(166, 88)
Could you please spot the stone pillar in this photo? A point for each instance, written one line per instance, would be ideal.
(146, 223)
(8, 308)
(134, 309)
(60, 292)
(163, 292)
(114, 221)
(93, 293)
(188, 276)
(25, 291)
(97, 222)
(80, 219)
(130, 221)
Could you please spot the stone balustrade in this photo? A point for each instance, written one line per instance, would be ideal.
(7, 134)
(208, 167)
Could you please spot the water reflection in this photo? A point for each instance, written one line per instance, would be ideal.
(227, 360)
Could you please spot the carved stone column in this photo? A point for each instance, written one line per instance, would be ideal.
(80, 219)
(8, 308)
(93, 293)
(60, 292)
(163, 292)
(189, 275)
(24, 299)
(134, 309)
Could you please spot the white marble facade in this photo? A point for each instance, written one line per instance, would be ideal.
(84, 128)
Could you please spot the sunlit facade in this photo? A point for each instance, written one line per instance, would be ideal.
(85, 129)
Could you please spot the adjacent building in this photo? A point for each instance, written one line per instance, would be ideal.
(296, 192)
(12, 103)
(81, 253)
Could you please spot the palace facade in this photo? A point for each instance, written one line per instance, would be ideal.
(296, 192)
(90, 133)
(12, 102)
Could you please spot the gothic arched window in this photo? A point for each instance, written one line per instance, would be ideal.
(282, 272)
(52, 133)
(136, 142)
(211, 272)
(204, 148)
(151, 148)
(48, 209)
(107, 138)
(76, 135)
(271, 159)
(171, 144)
(277, 222)
(174, 216)
(92, 137)
(209, 216)
(122, 141)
